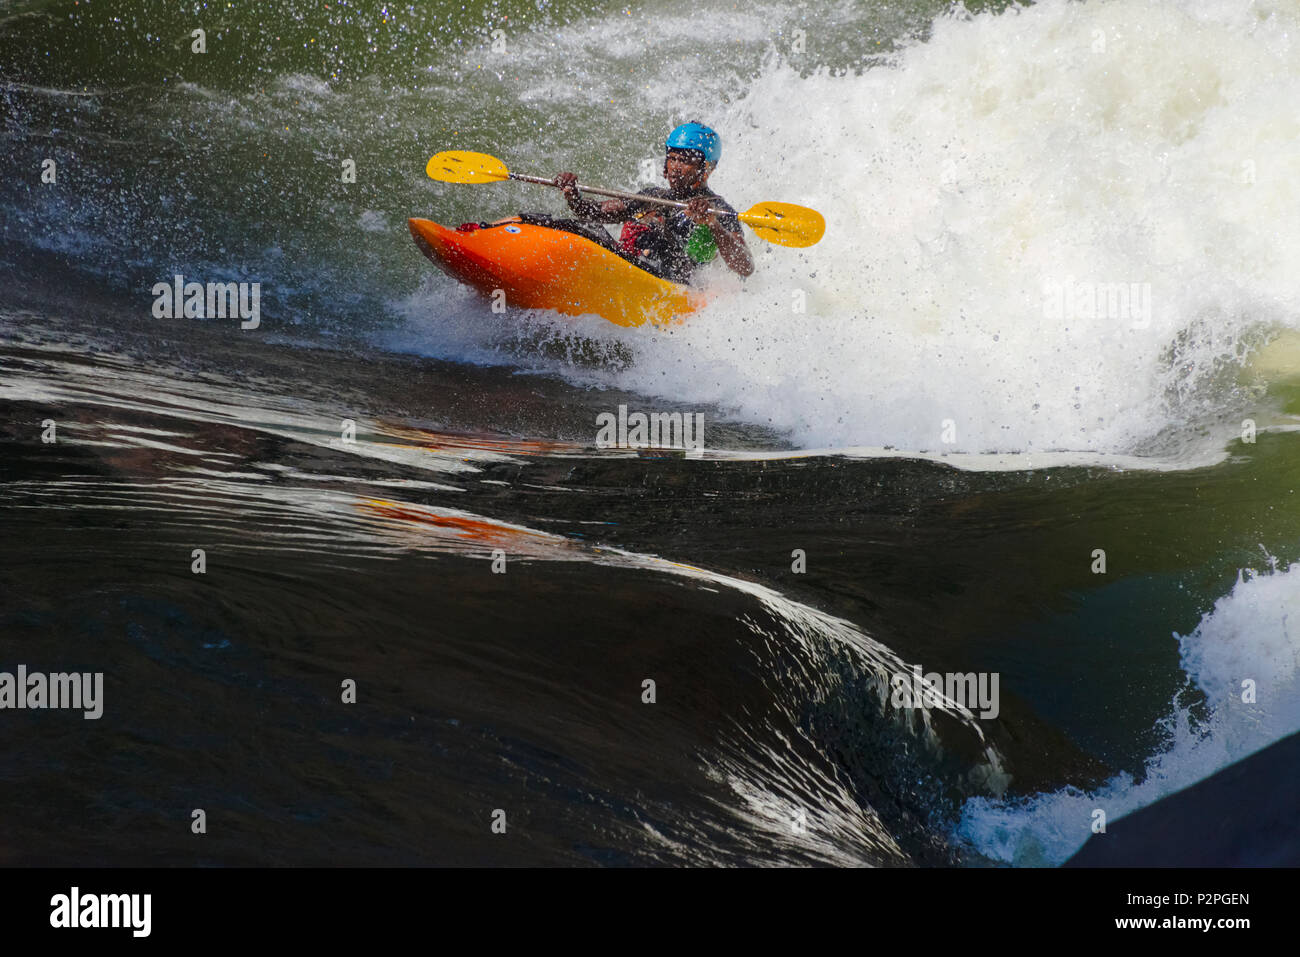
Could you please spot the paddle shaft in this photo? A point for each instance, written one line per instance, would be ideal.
(616, 194)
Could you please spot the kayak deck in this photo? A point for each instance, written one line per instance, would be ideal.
(537, 267)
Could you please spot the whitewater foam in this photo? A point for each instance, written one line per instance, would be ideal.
(1252, 634)
(1081, 145)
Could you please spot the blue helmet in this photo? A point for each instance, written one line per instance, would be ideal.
(694, 136)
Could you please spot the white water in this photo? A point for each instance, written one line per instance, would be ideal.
(1146, 142)
(1253, 633)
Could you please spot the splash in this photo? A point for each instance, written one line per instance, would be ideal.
(1252, 634)
(1057, 227)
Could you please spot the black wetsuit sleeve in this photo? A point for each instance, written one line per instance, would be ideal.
(593, 212)
(730, 223)
(632, 208)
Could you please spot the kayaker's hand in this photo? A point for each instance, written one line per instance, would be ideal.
(697, 211)
(568, 183)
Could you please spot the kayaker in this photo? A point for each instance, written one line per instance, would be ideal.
(677, 240)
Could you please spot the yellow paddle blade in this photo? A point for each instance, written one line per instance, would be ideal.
(785, 223)
(462, 166)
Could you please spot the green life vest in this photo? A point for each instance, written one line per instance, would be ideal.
(701, 246)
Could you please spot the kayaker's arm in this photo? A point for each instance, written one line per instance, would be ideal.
(732, 249)
(731, 245)
(613, 211)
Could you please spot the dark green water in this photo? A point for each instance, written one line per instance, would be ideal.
(961, 163)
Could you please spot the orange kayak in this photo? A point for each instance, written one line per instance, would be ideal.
(536, 267)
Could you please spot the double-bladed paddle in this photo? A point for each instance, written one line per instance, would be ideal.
(782, 223)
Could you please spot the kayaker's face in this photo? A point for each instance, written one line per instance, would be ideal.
(684, 171)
